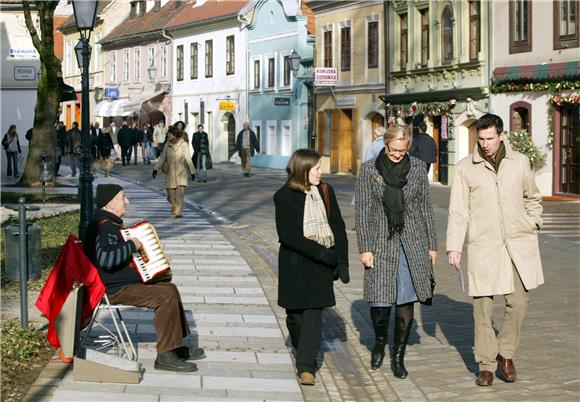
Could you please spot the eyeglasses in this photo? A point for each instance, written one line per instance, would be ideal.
(400, 152)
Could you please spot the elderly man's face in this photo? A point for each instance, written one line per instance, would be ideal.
(119, 204)
(246, 125)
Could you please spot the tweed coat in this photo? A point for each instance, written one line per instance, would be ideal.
(180, 165)
(304, 281)
(372, 228)
(502, 211)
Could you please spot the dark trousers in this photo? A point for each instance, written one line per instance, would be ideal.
(305, 327)
(170, 322)
(126, 154)
(135, 152)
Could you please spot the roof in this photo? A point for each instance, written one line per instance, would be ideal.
(71, 22)
(154, 20)
(208, 10)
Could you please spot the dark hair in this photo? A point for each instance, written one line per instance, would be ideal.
(178, 122)
(490, 120)
(423, 127)
(299, 166)
(75, 124)
(200, 125)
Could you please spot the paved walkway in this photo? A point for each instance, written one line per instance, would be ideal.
(230, 317)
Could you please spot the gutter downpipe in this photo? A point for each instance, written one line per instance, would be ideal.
(386, 50)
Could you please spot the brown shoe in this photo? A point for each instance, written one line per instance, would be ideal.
(306, 378)
(506, 369)
(484, 379)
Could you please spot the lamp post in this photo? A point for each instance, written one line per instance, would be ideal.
(294, 61)
(85, 12)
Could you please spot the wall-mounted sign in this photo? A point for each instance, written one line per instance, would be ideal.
(112, 93)
(282, 101)
(325, 77)
(23, 73)
(346, 101)
(229, 105)
(22, 53)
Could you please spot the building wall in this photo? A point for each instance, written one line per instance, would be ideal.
(273, 34)
(215, 90)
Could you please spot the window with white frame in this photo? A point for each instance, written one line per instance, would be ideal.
(257, 74)
(271, 72)
(193, 62)
(151, 57)
(163, 61)
(286, 77)
(137, 64)
(230, 55)
(209, 58)
(126, 65)
(179, 62)
(113, 66)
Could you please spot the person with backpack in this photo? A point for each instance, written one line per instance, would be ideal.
(11, 145)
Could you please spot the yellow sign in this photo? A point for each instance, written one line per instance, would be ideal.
(229, 105)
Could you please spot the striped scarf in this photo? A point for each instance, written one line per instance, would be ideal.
(316, 225)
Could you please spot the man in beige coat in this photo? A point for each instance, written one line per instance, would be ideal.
(494, 195)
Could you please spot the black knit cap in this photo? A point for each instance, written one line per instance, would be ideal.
(105, 193)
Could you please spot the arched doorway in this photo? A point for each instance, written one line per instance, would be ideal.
(155, 116)
(231, 134)
(227, 133)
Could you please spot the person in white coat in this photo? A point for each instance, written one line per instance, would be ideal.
(494, 195)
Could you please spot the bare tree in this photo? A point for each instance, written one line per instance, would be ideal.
(48, 95)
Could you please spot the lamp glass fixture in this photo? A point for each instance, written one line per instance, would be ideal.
(294, 61)
(152, 71)
(79, 52)
(85, 12)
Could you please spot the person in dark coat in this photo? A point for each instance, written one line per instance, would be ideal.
(124, 138)
(105, 145)
(136, 138)
(147, 139)
(313, 250)
(200, 144)
(397, 241)
(246, 145)
(424, 147)
(61, 138)
(93, 140)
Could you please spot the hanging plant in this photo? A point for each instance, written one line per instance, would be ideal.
(521, 86)
(522, 142)
(558, 101)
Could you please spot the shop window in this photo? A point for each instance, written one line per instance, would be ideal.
(521, 117)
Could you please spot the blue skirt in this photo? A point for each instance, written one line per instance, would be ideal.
(405, 288)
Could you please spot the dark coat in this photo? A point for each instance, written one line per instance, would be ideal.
(304, 280)
(124, 136)
(200, 144)
(424, 148)
(105, 144)
(254, 145)
(417, 237)
(136, 136)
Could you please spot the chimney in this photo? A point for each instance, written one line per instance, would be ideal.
(157, 5)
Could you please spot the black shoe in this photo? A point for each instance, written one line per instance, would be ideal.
(204, 180)
(190, 353)
(399, 346)
(380, 319)
(169, 361)
(247, 174)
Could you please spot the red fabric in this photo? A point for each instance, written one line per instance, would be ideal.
(71, 266)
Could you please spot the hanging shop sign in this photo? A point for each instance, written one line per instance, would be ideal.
(325, 77)
(229, 105)
(112, 93)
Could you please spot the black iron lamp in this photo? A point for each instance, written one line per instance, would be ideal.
(85, 12)
(294, 61)
(152, 71)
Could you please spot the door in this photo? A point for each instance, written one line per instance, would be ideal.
(569, 150)
(345, 152)
(321, 132)
(334, 140)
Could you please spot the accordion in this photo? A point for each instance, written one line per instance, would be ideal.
(150, 260)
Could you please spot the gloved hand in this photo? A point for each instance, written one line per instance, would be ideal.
(192, 177)
(328, 257)
(343, 273)
(154, 174)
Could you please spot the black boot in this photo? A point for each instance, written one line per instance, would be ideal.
(380, 318)
(402, 331)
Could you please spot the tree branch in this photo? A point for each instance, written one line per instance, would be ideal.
(30, 26)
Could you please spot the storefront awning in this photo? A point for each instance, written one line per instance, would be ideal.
(134, 105)
(434, 96)
(539, 72)
(110, 108)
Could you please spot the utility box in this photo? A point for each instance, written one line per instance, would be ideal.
(12, 239)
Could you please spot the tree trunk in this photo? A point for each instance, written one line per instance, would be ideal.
(46, 111)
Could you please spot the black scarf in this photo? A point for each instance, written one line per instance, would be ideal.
(395, 177)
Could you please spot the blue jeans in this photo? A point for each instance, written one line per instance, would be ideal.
(201, 170)
(146, 151)
(12, 159)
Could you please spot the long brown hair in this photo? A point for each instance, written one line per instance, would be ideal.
(299, 166)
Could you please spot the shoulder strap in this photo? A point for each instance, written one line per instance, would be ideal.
(326, 197)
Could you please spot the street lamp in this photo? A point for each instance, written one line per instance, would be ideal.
(85, 12)
(152, 71)
(294, 61)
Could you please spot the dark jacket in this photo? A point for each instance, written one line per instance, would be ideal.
(424, 148)
(148, 135)
(110, 253)
(136, 136)
(304, 280)
(6, 141)
(200, 144)
(61, 138)
(73, 141)
(105, 144)
(254, 145)
(124, 136)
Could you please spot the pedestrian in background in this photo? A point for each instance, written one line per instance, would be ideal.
(124, 138)
(60, 145)
(313, 249)
(179, 169)
(377, 144)
(494, 195)
(246, 145)
(11, 145)
(93, 140)
(180, 128)
(113, 130)
(73, 145)
(136, 138)
(424, 146)
(397, 241)
(201, 155)
(146, 143)
(159, 134)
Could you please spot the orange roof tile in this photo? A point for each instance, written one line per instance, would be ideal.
(209, 10)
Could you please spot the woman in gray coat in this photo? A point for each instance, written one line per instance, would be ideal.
(396, 239)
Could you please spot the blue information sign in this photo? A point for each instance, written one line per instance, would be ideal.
(112, 93)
